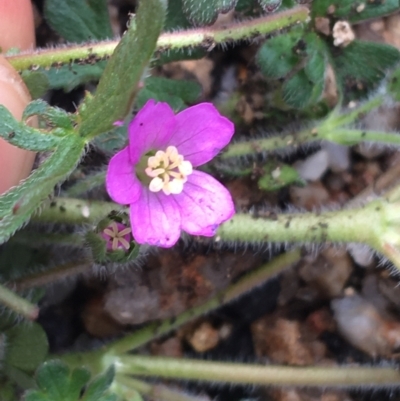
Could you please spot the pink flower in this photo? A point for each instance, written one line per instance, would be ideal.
(154, 173)
(118, 236)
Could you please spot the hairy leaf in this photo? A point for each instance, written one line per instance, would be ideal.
(66, 77)
(354, 11)
(27, 346)
(23, 136)
(177, 94)
(57, 382)
(205, 12)
(78, 20)
(118, 85)
(18, 204)
(361, 66)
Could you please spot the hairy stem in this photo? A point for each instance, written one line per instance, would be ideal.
(18, 304)
(202, 37)
(104, 357)
(332, 129)
(233, 373)
(51, 276)
(76, 211)
(352, 225)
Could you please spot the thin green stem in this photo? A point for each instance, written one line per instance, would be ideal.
(202, 37)
(355, 136)
(328, 130)
(35, 239)
(153, 391)
(234, 373)
(86, 184)
(353, 225)
(97, 359)
(270, 144)
(51, 276)
(76, 211)
(18, 304)
(338, 119)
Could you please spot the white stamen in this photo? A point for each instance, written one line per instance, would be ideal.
(169, 171)
(156, 184)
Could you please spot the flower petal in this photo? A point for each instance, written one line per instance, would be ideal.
(121, 182)
(204, 204)
(200, 133)
(155, 219)
(150, 129)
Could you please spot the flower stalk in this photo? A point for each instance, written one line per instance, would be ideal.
(18, 304)
(234, 373)
(75, 211)
(202, 37)
(336, 128)
(97, 360)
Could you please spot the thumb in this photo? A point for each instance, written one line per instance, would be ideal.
(16, 30)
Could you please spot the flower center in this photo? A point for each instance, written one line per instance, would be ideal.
(117, 235)
(168, 171)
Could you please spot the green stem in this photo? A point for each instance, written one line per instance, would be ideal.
(353, 225)
(355, 136)
(153, 391)
(35, 239)
(233, 373)
(86, 184)
(270, 144)
(328, 130)
(76, 211)
(51, 276)
(97, 359)
(338, 119)
(18, 304)
(202, 37)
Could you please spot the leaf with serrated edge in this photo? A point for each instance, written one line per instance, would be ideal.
(23, 136)
(18, 204)
(77, 20)
(118, 85)
(205, 12)
(27, 346)
(99, 385)
(353, 11)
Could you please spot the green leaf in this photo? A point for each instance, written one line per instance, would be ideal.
(23, 136)
(66, 77)
(277, 56)
(175, 16)
(354, 11)
(118, 85)
(27, 346)
(177, 94)
(18, 204)
(56, 382)
(205, 12)
(300, 59)
(54, 116)
(77, 20)
(37, 83)
(99, 386)
(361, 66)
